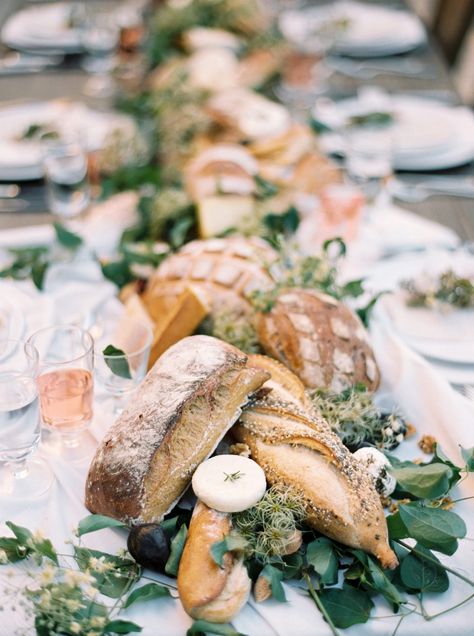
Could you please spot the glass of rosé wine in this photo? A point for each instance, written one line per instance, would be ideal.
(21, 477)
(65, 381)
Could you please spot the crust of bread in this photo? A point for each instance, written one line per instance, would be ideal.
(206, 590)
(297, 450)
(180, 412)
(320, 339)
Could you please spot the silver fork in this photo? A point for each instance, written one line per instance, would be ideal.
(417, 192)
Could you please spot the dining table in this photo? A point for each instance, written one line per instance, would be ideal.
(394, 242)
(67, 81)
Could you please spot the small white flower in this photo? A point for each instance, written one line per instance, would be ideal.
(75, 628)
(98, 621)
(90, 591)
(47, 575)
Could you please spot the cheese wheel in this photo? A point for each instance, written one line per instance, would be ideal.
(229, 483)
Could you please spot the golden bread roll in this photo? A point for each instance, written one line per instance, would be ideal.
(207, 591)
(320, 339)
(227, 270)
(297, 450)
(178, 415)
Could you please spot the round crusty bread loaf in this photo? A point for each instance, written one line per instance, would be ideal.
(320, 339)
(226, 270)
(179, 413)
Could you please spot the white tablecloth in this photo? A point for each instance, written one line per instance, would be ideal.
(423, 396)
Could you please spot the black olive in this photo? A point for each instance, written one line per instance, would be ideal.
(149, 546)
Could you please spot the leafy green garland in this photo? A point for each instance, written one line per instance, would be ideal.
(66, 590)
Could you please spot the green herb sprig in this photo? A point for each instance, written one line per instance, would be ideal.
(448, 289)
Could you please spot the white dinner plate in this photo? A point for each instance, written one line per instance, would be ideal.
(20, 160)
(443, 335)
(371, 31)
(427, 135)
(41, 27)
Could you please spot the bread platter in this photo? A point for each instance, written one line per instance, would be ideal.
(285, 468)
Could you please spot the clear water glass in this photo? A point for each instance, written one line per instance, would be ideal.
(100, 35)
(118, 375)
(65, 382)
(65, 164)
(369, 159)
(20, 425)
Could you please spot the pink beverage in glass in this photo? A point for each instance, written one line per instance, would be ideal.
(65, 381)
(341, 209)
(66, 398)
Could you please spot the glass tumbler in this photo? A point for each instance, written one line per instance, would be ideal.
(65, 381)
(65, 165)
(122, 351)
(20, 425)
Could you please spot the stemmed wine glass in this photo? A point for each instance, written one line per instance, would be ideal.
(65, 383)
(20, 426)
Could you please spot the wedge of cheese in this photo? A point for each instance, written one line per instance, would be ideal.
(219, 213)
(174, 321)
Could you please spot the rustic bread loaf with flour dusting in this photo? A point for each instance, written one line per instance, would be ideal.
(180, 412)
(320, 339)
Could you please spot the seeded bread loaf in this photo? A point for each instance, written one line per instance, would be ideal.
(320, 339)
(180, 412)
(298, 451)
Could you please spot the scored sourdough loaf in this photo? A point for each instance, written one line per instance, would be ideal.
(227, 270)
(298, 451)
(320, 339)
(178, 415)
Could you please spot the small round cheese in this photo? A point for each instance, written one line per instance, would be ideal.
(229, 483)
(376, 464)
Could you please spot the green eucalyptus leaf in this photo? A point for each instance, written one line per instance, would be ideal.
(204, 627)
(67, 238)
(282, 224)
(119, 626)
(22, 534)
(425, 481)
(434, 528)
(364, 313)
(383, 584)
(396, 528)
(177, 547)
(118, 272)
(92, 523)
(422, 575)
(117, 361)
(321, 555)
(265, 188)
(354, 288)
(45, 548)
(146, 593)
(38, 273)
(180, 229)
(347, 606)
(468, 456)
(230, 543)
